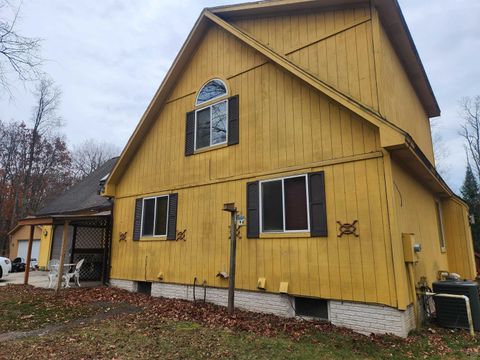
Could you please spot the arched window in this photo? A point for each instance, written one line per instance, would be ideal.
(213, 89)
(211, 121)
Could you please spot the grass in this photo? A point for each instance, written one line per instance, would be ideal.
(21, 311)
(154, 333)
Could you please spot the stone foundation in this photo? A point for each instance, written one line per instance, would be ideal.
(360, 317)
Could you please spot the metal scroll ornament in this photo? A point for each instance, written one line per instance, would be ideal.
(181, 235)
(347, 228)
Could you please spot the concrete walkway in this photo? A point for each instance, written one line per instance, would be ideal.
(39, 279)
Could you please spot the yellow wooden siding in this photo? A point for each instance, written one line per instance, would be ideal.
(398, 100)
(416, 213)
(458, 239)
(283, 123)
(343, 268)
(336, 46)
(285, 127)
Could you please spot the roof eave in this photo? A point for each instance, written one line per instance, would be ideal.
(397, 29)
(158, 100)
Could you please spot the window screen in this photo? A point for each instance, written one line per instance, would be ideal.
(203, 128)
(161, 216)
(148, 216)
(295, 204)
(272, 209)
(284, 205)
(155, 216)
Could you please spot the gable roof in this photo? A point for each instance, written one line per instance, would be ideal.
(220, 15)
(82, 196)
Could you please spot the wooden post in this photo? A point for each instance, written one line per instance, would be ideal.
(29, 255)
(62, 255)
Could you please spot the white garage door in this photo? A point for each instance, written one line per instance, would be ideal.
(23, 247)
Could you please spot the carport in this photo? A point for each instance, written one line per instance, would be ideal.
(82, 236)
(81, 221)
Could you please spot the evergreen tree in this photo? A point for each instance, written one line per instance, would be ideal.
(470, 194)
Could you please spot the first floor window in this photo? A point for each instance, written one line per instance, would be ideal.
(284, 204)
(441, 231)
(154, 216)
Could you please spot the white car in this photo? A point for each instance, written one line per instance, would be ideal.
(5, 266)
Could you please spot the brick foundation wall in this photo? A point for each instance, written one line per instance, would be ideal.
(360, 317)
(372, 318)
(124, 284)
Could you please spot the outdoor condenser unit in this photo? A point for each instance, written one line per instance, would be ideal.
(451, 312)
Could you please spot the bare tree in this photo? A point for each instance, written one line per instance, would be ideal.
(90, 155)
(45, 118)
(470, 112)
(440, 152)
(19, 55)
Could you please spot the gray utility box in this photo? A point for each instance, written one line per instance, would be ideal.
(451, 312)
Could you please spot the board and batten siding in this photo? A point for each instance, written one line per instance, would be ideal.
(458, 239)
(350, 50)
(286, 128)
(343, 268)
(334, 45)
(283, 123)
(417, 213)
(398, 101)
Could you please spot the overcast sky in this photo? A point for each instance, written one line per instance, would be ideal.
(109, 58)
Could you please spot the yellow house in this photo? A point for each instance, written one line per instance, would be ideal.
(313, 118)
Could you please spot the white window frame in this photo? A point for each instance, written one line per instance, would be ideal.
(282, 179)
(441, 229)
(154, 215)
(214, 98)
(226, 119)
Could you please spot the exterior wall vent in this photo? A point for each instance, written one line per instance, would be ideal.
(144, 287)
(315, 308)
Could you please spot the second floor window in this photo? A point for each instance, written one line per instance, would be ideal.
(211, 117)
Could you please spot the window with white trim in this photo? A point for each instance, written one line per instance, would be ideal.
(155, 216)
(284, 205)
(211, 118)
(441, 231)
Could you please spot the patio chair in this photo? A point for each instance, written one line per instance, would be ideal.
(75, 274)
(52, 272)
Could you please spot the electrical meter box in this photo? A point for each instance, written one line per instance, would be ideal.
(409, 252)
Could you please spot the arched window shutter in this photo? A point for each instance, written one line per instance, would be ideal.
(318, 209)
(253, 214)
(137, 221)
(190, 134)
(233, 119)
(172, 217)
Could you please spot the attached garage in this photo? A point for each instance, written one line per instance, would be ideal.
(23, 249)
(19, 241)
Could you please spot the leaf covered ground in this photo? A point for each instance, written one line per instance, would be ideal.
(106, 323)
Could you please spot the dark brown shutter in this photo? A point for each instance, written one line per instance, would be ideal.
(253, 216)
(233, 128)
(172, 217)
(318, 209)
(190, 134)
(137, 222)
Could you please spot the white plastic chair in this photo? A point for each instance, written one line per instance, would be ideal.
(53, 272)
(75, 274)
